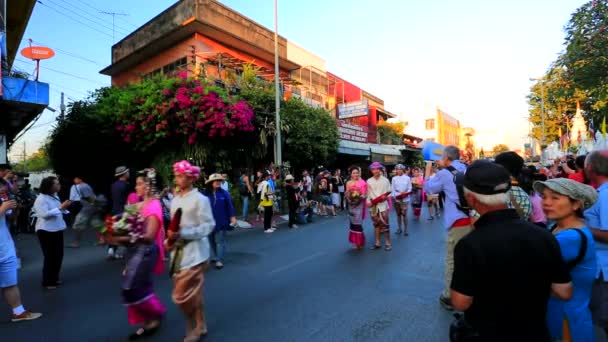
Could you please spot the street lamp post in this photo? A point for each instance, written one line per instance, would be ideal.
(278, 152)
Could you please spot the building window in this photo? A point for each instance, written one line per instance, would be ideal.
(430, 124)
(169, 69)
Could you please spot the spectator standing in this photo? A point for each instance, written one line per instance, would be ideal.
(267, 202)
(82, 221)
(120, 193)
(9, 264)
(506, 268)
(306, 182)
(223, 214)
(49, 228)
(596, 168)
(293, 200)
(563, 201)
(455, 219)
(518, 198)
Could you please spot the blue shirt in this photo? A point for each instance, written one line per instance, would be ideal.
(444, 181)
(221, 205)
(597, 218)
(583, 275)
(7, 247)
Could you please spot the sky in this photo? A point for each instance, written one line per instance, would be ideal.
(472, 58)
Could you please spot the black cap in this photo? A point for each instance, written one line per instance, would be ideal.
(512, 161)
(486, 178)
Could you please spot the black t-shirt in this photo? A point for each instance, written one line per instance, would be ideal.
(334, 183)
(508, 265)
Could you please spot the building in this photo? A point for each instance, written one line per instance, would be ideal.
(21, 99)
(442, 128)
(206, 38)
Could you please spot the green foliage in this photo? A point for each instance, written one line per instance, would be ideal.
(312, 137)
(500, 148)
(37, 162)
(390, 133)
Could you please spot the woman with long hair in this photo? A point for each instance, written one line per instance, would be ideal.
(49, 228)
(144, 258)
(564, 201)
(417, 196)
(356, 192)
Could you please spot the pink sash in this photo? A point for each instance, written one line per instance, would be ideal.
(153, 208)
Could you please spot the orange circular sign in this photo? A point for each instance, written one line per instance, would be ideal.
(37, 52)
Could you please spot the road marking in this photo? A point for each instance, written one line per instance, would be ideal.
(296, 263)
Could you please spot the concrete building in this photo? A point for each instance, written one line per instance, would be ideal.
(206, 38)
(21, 99)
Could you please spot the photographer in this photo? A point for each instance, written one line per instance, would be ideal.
(305, 211)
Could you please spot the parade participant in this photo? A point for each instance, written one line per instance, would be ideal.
(356, 195)
(293, 200)
(144, 258)
(596, 168)
(119, 193)
(563, 201)
(9, 263)
(518, 198)
(505, 269)
(49, 228)
(401, 186)
(190, 251)
(432, 200)
(378, 189)
(417, 195)
(82, 221)
(223, 214)
(455, 220)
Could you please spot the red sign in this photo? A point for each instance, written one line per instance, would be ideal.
(37, 52)
(353, 132)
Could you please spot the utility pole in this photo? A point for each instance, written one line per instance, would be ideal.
(278, 154)
(113, 14)
(62, 108)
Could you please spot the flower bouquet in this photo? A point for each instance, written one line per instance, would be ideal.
(354, 197)
(129, 223)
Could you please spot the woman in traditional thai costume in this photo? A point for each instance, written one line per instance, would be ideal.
(417, 196)
(190, 248)
(356, 192)
(144, 258)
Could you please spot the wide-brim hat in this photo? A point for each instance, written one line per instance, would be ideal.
(586, 194)
(289, 178)
(215, 177)
(120, 171)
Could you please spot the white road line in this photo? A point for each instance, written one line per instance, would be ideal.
(296, 263)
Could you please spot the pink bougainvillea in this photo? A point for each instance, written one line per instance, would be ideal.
(184, 107)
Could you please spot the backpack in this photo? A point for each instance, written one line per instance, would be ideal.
(462, 204)
(570, 265)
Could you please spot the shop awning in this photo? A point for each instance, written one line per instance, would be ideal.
(389, 150)
(353, 148)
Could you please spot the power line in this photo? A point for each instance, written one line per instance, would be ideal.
(71, 54)
(64, 73)
(76, 20)
(87, 12)
(100, 23)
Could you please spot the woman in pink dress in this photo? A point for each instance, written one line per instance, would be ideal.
(144, 258)
(356, 191)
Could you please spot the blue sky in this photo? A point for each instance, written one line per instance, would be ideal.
(472, 58)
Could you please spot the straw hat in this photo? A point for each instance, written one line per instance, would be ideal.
(215, 177)
(120, 171)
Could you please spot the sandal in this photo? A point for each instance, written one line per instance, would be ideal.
(375, 247)
(143, 332)
(399, 231)
(388, 248)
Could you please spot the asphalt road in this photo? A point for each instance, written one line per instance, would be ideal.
(300, 285)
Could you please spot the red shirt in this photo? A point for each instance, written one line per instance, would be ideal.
(579, 177)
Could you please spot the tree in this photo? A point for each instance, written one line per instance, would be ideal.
(37, 162)
(500, 148)
(390, 133)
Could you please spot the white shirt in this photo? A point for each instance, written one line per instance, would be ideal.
(74, 194)
(50, 217)
(307, 184)
(197, 222)
(378, 187)
(401, 184)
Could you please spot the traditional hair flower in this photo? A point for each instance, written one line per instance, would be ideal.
(185, 168)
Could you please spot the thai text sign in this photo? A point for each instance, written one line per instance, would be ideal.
(353, 109)
(352, 132)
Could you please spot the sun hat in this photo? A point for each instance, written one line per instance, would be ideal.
(486, 178)
(568, 187)
(121, 170)
(215, 177)
(376, 165)
(289, 178)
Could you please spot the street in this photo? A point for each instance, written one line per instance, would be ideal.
(300, 285)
